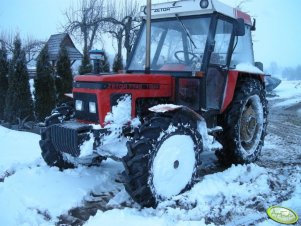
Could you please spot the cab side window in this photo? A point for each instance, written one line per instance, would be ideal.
(222, 40)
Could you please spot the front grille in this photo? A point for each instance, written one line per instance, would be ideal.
(85, 115)
(68, 136)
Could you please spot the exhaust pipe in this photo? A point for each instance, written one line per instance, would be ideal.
(148, 36)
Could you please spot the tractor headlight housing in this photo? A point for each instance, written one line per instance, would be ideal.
(92, 107)
(79, 105)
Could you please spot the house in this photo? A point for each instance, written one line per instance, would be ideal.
(54, 43)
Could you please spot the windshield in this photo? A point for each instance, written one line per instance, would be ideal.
(177, 44)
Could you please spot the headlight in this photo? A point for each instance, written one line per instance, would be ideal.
(79, 105)
(92, 107)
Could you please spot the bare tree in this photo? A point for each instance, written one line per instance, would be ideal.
(31, 46)
(84, 21)
(122, 24)
(89, 19)
(7, 38)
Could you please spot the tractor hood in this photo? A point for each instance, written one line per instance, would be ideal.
(104, 91)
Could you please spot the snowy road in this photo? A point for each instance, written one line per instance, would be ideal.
(31, 193)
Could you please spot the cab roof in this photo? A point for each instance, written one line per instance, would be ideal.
(194, 7)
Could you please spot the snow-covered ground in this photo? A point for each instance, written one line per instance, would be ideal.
(289, 94)
(31, 193)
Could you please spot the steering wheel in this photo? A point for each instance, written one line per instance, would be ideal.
(190, 59)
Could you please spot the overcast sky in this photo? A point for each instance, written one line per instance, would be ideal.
(277, 38)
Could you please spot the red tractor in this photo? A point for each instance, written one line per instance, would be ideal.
(197, 85)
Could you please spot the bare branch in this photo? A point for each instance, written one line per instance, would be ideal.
(31, 46)
(83, 21)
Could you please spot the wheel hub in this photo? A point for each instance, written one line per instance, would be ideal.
(173, 165)
(251, 124)
(248, 127)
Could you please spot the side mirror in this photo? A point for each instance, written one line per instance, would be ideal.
(240, 27)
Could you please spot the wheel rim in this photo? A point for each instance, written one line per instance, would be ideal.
(173, 166)
(251, 124)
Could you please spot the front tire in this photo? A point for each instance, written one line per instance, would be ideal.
(161, 160)
(52, 157)
(244, 124)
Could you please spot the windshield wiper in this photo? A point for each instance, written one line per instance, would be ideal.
(186, 31)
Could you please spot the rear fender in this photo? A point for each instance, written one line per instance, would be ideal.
(231, 83)
(179, 113)
(185, 116)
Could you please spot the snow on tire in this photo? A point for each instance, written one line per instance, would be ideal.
(161, 161)
(244, 124)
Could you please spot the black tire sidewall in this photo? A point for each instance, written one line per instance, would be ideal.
(230, 139)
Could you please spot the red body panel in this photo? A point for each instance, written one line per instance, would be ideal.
(245, 16)
(229, 89)
(155, 85)
(231, 85)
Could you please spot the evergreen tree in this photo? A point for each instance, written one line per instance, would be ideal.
(19, 103)
(118, 63)
(64, 76)
(44, 86)
(3, 79)
(86, 66)
(105, 65)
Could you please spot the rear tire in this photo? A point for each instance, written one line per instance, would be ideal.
(244, 124)
(157, 166)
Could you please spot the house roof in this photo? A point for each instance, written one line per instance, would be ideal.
(54, 43)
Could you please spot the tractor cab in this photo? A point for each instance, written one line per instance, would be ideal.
(197, 42)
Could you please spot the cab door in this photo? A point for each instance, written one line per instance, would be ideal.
(217, 70)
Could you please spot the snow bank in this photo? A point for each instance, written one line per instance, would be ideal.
(290, 91)
(217, 197)
(294, 202)
(135, 217)
(288, 103)
(17, 149)
(30, 194)
(34, 192)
